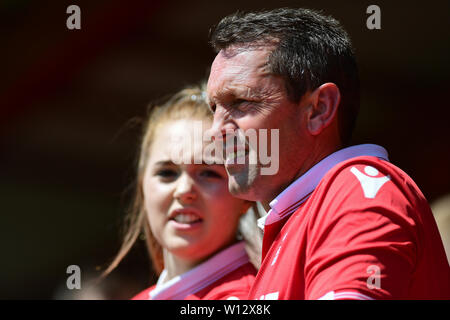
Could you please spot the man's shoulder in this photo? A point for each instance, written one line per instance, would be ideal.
(372, 167)
(364, 185)
(369, 178)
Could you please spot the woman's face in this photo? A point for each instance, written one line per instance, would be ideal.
(190, 210)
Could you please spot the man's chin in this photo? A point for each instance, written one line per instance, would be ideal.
(237, 190)
(241, 185)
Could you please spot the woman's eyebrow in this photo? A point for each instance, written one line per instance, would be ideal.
(164, 163)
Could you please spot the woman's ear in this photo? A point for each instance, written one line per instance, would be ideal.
(324, 104)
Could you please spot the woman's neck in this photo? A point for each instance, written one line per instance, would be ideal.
(176, 266)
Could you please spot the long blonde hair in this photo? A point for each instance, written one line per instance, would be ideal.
(188, 103)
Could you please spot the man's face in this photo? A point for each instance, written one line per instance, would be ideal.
(245, 95)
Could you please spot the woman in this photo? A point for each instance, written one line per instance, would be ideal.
(189, 218)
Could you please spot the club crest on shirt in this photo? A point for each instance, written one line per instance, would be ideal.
(370, 182)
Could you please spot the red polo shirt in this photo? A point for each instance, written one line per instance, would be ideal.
(353, 227)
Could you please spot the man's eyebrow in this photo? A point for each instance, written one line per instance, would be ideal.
(231, 94)
(222, 94)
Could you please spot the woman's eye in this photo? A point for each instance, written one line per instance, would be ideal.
(166, 173)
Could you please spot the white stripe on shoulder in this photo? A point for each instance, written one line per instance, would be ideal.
(345, 295)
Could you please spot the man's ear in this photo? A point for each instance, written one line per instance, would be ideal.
(324, 104)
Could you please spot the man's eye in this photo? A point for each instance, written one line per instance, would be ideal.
(210, 174)
(241, 104)
(212, 108)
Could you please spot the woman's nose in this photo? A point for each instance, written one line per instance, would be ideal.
(185, 191)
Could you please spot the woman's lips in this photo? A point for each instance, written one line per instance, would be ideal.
(185, 219)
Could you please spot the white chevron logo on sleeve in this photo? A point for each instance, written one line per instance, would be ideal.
(369, 183)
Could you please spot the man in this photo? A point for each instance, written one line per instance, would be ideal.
(343, 222)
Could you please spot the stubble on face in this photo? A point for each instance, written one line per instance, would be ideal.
(240, 183)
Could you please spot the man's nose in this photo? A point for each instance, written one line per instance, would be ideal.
(222, 126)
(185, 191)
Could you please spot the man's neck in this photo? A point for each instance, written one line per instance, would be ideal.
(315, 157)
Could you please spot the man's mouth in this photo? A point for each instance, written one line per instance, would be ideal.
(235, 154)
(232, 157)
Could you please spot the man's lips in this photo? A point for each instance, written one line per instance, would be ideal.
(231, 154)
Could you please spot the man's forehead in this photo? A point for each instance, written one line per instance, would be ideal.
(237, 72)
(244, 59)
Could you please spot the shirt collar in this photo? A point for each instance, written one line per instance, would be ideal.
(298, 192)
(202, 275)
